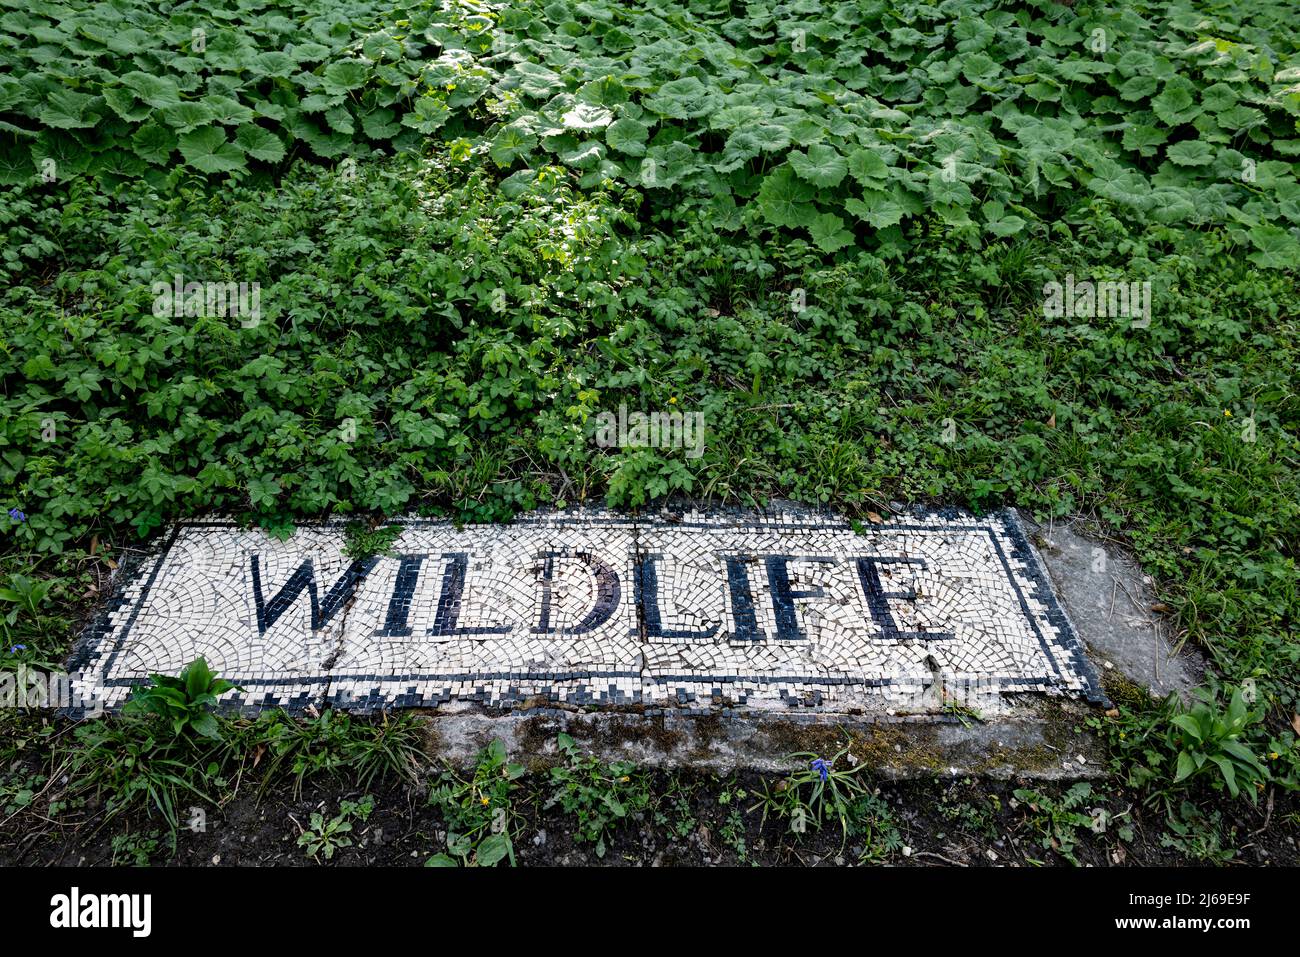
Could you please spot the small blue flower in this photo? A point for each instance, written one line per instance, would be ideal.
(822, 767)
(18, 515)
(17, 648)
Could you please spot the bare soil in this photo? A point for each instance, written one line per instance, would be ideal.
(957, 823)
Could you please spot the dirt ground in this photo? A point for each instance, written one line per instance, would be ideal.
(961, 823)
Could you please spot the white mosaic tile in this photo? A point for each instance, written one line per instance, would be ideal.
(781, 609)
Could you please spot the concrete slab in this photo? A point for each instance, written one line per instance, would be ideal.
(1112, 605)
(1041, 740)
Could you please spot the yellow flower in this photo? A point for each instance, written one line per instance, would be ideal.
(625, 779)
(1272, 755)
(672, 400)
(484, 801)
(1227, 414)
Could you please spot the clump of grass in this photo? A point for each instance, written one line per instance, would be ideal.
(362, 541)
(169, 748)
(137, 764)
(333, 744)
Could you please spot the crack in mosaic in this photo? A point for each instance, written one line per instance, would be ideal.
(917, 613)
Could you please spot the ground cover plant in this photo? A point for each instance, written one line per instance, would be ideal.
(829, 228)
(496, 813)
(478, 810)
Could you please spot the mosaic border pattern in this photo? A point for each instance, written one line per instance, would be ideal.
(98, 666)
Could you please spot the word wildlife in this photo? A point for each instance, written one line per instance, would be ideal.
(597, 608)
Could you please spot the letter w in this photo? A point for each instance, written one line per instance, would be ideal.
(322, 612)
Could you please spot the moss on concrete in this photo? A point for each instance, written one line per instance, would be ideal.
(1124, 691)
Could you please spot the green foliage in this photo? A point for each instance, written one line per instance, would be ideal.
(825, 228)
(42, 603)
(871, 821)
(130, 89)
(18, 789)
(165, 748)
(1206, 740)
(183, 702)
(977, 816)
(134, 764)
(732, 831)
(418, 361)
(673, 809)
(822, 111)
(1059, 822)
(327, 835)
(336, 744)
(26, 595)
(478, 810)
(135, 848)
(599, 797)
(363, 541)
(1198, 835)
(823, 789)
(1174, 746)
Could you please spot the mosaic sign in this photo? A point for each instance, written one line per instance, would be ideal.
(595, 608)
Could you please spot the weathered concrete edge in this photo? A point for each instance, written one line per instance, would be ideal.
(1044, 741)
(1114, 609)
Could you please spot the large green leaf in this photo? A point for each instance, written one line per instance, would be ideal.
(786, 200)
(627, 136)
(829, 232)
(206, 150)
(260, 144)
(1144, 139)
(511, 144)
(154, 143)
(584, 116)
(123, 102)
(950, 191)
(1191, 153)
(537, 81)
(68, 109)
(868, 168)
(186, 116)
(429, 114)
(681, 99)
(227, 110)
(1276, 248)
(1177, 103)
(157, 91)
(822, 165)
(381, 124)
(879, 208)
(344, 76)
